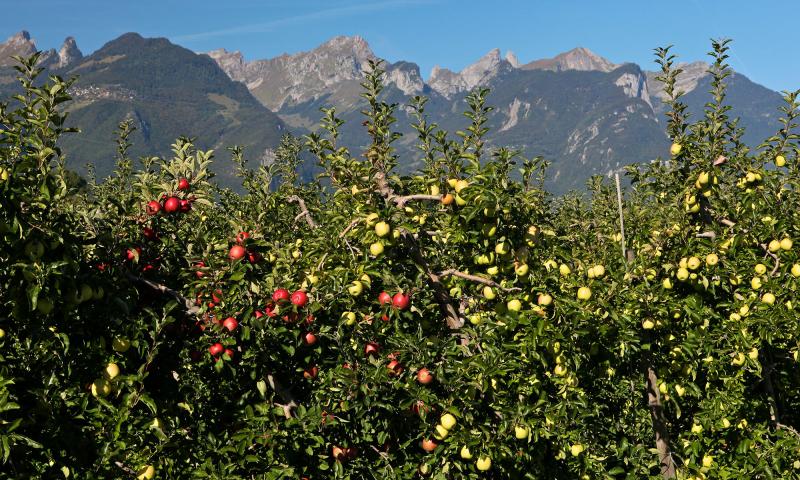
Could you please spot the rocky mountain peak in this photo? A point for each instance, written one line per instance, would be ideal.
(69, 52)
(355, 46)
(18, 44)
(511, 58)
(578, 58)
(489, 66)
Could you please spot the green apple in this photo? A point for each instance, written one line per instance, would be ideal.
(44, 306)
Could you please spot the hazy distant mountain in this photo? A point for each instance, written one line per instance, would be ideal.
(584, 113)
(167, 90)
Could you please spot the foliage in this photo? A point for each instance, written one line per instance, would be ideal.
(144, 323)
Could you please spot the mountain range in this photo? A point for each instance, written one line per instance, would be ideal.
(584, 113)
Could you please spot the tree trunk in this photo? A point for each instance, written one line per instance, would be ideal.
(665, 461)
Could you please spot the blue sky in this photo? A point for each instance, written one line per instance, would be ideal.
(451, 33)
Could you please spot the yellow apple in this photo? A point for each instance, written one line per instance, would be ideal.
(760, 269)
(796, 270)
(768, 298)
(349, 318)
(502, 248)
(460, 185)
(521, 432)
(576, 449)
(667, 283)
(786, 243)
(484, 463)
(738, 360)
(146, 473)
(648, 324)
(680, 390)
(753, 354)
(355, 288)
(382, 229)
(755, 283)
(675, 149)
(514, 305)
(560, 370)
(774, 246)
(564, 270)
(111, 372)
(780, 161)
(584, 293)
(376, 249)
(101, 387)
(448, 421)
(440, 433)
(452, 182)
(521, 270)
(708, 460)
(712, 259)
(697, 428)
(488, 293)
(465, 453)
(435, 190)
(120, 344)
(693, 263)
(476, 319)
(599, 271)
(682, 274)
(544, 299)
(371, 219)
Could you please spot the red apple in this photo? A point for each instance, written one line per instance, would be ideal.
(309, 339)
(216, 349)
(424, 376)
(132, 253)
(242, 237)
(258, 314)
(429, 445)
(371, 348)
(419, 407)
(311, 372)
(153, 207)
(199, 273)
(384, 298)
(281, 295)
(186, 206)
(300, 298)
(183, 184)
(236, 252)
(395, 368)
(172, 205)
(229, 353)
(149, 234)
(269, 310)
(230, 323)
(217, 296)
(337, 453)
(400, 301)
(253, 257)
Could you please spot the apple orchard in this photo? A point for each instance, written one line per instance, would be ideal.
(455, 322)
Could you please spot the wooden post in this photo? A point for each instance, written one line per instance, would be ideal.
(621, 217)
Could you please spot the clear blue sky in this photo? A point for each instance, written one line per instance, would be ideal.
(452, 33)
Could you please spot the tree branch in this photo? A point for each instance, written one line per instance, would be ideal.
(303, 210)
(401, 201)
(475, 278)
(289, 403)
(191, 308)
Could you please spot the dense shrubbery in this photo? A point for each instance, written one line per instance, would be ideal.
(145, 329)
